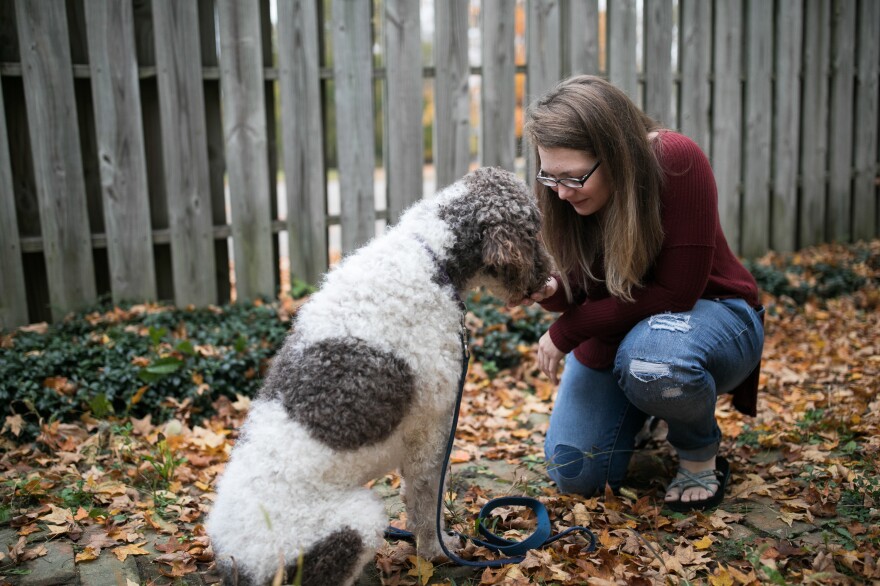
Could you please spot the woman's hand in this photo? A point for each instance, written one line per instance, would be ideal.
(548, 290)
(549, 357)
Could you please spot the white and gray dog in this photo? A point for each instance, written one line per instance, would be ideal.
(365, 384)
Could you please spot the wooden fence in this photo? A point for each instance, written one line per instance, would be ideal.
(138, 138)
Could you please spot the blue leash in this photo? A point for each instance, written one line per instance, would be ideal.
(516, 550)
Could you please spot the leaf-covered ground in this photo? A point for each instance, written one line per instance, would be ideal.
(803, 505)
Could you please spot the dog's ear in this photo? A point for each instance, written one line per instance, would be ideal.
(502, 248)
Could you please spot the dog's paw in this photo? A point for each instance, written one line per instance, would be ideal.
(433, 552)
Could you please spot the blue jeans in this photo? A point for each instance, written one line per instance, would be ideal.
(672, 366)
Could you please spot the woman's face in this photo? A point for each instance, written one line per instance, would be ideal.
(561, 163)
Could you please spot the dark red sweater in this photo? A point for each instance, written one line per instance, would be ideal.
(695, 262)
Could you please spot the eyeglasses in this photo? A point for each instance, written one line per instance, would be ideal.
(573, 182)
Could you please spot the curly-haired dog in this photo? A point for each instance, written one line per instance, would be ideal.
(366, 384)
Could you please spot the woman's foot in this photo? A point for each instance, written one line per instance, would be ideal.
(698, 485)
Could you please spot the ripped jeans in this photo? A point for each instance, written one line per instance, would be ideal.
(672, 366)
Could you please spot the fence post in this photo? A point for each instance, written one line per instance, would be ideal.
(622, 37)
(727, 116)
(244, 129)
(13, 298)
(120, 140)
(865, 220)
(498, 85)
(403, 106)
(840, 165)
(184, 147)
(52, 121)
(695, 50)
(814, 130)
(756, 192)
(302, 133)
(544, 64)
(786, 127)
(658, 61)
(353, 74)
(452, 124)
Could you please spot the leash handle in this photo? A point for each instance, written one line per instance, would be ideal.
(515, 550)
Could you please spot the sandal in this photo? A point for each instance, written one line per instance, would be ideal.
(708, 479)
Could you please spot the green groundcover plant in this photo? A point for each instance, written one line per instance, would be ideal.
(160, 360)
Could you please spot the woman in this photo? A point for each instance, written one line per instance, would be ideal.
(658, 317)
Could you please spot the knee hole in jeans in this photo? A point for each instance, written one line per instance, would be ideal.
(566, 462)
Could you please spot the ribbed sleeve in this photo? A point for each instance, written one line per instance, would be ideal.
(695, 261)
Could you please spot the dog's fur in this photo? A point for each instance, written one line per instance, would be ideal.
(366, 384)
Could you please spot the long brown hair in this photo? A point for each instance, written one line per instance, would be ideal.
(587, 113)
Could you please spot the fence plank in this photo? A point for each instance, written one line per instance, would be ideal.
(13, 297)
(658, 61)
(216, 151)
(244, 129)
(353, 74)
(814, 131)
(622, 37)
(185, 158)
(452, 120)
(48, 84)
(841, 112)
(302, 133)
(727, 115)
(149, 96)
(786, 130)
(544, 56)
(694, 49)
(583, 36)
(756, 184)
(120, 139)
(403, 106)
(498, 85)
(866, 224)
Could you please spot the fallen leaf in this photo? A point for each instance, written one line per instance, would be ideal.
(124, 551)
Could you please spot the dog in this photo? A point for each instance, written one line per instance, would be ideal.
(365, 383)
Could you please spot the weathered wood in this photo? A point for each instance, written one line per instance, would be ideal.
(123, 167)
(149, 91)
(756, 184)
(216, 150)
(726, 153)
(843, 23)
(178, 59)
(658, 61)
(452, 120)
(544, 58)
(814, 129)
(622, 37)
(497, 85)
(244, 129)
(786, 128)
(582, 29)
(695, 49)
(271, 108)
(302, 133)
(353, 74)
(48, 84)
(866, 224)
(13, 297)
(403, 105)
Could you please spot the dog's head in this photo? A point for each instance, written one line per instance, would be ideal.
(497, 225)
